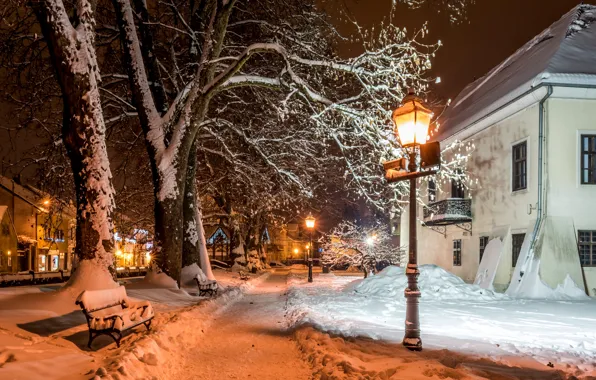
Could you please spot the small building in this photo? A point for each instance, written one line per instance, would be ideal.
(532, 120)
(44, 227)
(9, 261)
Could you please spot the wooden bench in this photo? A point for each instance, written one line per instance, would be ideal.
(110, 312)
(206, 286)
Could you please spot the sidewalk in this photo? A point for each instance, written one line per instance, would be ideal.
(249, 340)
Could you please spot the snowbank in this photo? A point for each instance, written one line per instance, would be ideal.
(188, 275)
(90, 275)
(453, 315)
(434, 282)
(159, 280)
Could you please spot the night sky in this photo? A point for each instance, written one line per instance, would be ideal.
(495, 29)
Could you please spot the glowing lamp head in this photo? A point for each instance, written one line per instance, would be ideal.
(46, 202)
(148, 257)
(310, 222)
(412, 120)
(296, 251)
(370, 240)
(9, 253)
(118, 253)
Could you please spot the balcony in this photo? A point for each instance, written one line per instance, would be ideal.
(452, 211)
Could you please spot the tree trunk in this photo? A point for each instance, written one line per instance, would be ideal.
(83, 131)
(169, 234)
(194, 244)
(190, 250)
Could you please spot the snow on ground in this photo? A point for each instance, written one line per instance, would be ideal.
(43, 332)
(454, 315)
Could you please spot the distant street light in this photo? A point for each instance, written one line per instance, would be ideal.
(412, 120)
(370, 240)
(310, 225)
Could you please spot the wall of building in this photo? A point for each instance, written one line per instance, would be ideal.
(570, 202)
(496, 210)
(8, 244)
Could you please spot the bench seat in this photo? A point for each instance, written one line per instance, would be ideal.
(111, 312)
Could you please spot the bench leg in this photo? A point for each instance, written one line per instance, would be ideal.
(91, 337)
(117, 337)
(148, 324)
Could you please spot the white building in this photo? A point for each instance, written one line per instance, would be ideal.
(532, 120)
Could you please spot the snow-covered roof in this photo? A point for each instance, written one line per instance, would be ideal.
(562, 54)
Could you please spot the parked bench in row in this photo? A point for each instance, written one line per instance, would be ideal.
(206, 286)
(111, 312)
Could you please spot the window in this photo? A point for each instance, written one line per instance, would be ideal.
(457, 187)
(457, 253)
(520, 167)
(516, 243)
(59, 235)
(47, 233)
(587, 248)
(483, 244)
(432, 190)
(588, 159)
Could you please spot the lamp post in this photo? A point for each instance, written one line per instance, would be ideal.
(412, 120)
(310, 225)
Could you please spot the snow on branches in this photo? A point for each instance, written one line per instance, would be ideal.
(349, 245)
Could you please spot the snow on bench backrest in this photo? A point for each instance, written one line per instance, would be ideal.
(201, 277)
(93, 300)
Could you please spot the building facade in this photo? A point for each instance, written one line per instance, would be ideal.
(44, 229)
(532, 122)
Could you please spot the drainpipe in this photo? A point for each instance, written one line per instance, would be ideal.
(541, 138)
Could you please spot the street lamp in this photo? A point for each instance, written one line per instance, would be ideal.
(310, 225)
(412, 120)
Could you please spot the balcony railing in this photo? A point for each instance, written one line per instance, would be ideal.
(448, 212)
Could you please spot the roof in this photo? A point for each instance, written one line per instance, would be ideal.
(563, 54)
(32, 195)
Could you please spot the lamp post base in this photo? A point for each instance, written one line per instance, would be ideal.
(310, 270)
(413, 344)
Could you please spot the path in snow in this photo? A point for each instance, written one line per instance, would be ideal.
(249, 340)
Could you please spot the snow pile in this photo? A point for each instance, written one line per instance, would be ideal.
(526, 281)
(453, 315)
(159, 279)
(90, 275)
(434, 282)
(487, 269)
(188, 275)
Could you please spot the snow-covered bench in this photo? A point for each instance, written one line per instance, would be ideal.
(110, 312)
(205, 285)
(244, 276)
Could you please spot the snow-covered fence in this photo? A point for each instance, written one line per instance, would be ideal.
(32, 278)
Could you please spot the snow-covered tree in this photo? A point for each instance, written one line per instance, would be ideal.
(360, 247)
(70, 41)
